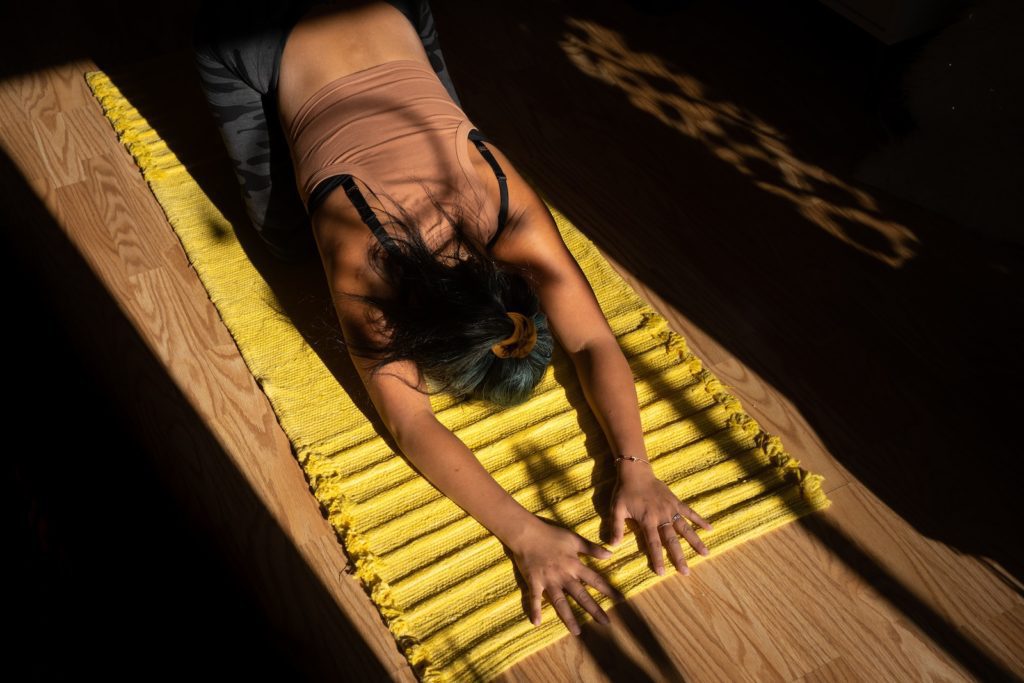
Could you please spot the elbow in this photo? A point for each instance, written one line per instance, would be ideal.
(596, 346)
(598, 355)
(406, 427)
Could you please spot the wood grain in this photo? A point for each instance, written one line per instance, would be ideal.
(711, 167)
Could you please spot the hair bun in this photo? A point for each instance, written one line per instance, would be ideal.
(522, 340)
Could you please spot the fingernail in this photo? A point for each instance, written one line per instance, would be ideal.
(686, 570)
(705, 552)
(661, 571)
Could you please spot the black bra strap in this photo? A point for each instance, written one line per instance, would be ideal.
(365, 212)
(321, 191)
(479, 138)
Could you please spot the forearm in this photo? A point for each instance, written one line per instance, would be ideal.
(608, 385)
(448, 464)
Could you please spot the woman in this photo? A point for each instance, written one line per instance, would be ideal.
(439, 299)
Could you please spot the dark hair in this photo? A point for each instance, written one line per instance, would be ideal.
(446, 312)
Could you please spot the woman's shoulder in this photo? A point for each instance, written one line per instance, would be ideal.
(511, 242)
(529, 225)
(345, 245)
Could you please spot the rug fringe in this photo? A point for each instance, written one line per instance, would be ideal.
(810, 484)
(154, 158)
(150, 152)
(369, 570)
(157, 162)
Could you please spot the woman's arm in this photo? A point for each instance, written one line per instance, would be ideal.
(547, 555)
(610, 390)
(576, 320)
(451, 466)
(432, 448)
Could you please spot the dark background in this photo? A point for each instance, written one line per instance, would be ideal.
(111, 576)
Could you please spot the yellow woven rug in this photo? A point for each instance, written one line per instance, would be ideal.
(442, 583)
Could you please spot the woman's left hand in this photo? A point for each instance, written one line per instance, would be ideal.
(642, 497)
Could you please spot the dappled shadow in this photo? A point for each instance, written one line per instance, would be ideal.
(316, 636)
(686, 145)
(888, 328)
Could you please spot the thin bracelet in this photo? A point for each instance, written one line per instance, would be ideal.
(630, 457)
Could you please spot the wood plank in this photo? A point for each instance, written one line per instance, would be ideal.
(737, 219)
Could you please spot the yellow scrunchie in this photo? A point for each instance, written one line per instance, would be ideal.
(520, 343)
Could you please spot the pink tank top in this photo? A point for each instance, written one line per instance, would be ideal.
(392, 126)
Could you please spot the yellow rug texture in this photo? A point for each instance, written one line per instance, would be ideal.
(441, 581)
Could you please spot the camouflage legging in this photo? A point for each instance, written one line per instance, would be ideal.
(237, 47)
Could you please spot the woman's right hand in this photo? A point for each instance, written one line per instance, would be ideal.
(547, 557)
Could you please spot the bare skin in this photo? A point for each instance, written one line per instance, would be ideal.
(546, 555)
(372, 33)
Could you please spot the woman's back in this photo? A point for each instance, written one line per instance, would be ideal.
(378, 112)
(238, 49)
(334, 39)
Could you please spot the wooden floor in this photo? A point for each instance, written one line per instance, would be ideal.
(709, 149)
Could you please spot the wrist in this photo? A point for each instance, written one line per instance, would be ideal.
(633, 466)
(517, 524)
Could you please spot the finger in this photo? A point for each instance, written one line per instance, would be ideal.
(595, 549)
(619, 517)
(692, 514)
(654, 548)
(561, 605)
(600, 583)
(675, 550)
(585, 600)
(535, 596)
(688, 532)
